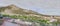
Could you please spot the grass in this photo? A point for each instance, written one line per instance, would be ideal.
(30, 19)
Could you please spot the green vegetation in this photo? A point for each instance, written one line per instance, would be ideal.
(33, 19)
(28, 18)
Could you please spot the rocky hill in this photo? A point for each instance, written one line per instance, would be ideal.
(14, 10)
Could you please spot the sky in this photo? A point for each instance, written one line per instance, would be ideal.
(47, 7)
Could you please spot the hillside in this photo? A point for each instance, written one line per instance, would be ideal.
(14, 10)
